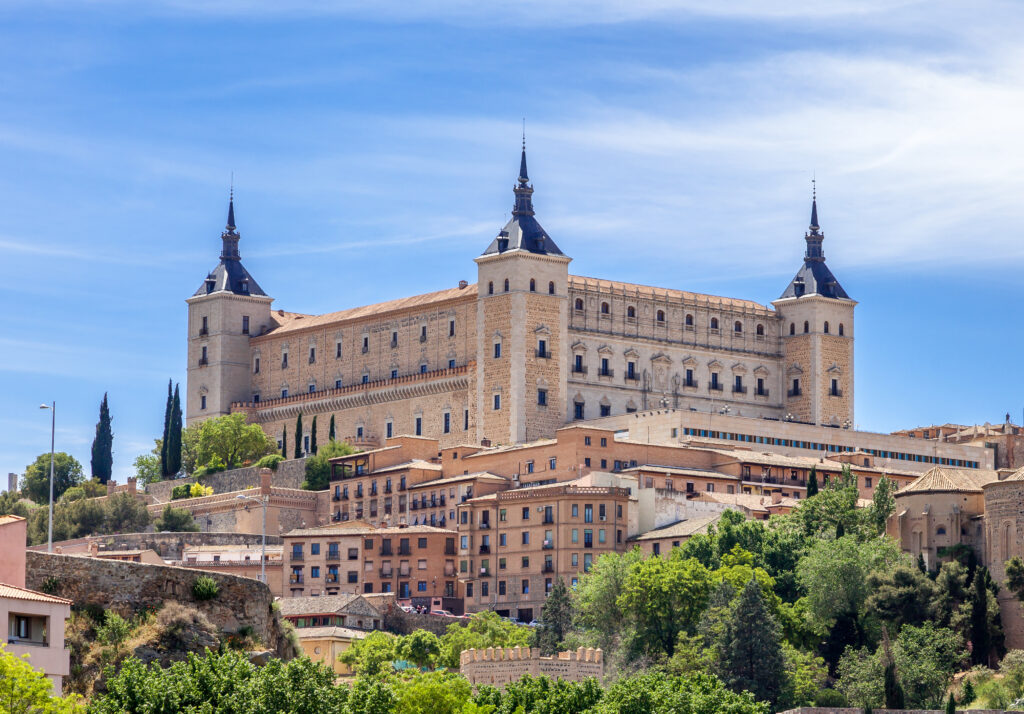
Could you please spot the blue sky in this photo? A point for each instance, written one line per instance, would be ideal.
(374, 148)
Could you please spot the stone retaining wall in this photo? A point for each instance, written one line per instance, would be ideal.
(129, 588)
(497, 666)
(168, 545)
(290, 474)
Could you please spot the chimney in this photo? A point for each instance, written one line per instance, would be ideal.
(266, 477)
(485, 443)
(776, 497)
(463, 285)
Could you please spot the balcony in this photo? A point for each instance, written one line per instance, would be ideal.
(548, 519)
(414, 505)
(449, 550)
(543, 354)
(579, 369)
(387, 488)
(404, 550)
(203, 362)
(548, 568)
(485, 572)
(203, 331)
(548, 545)
(336, 497)
(344, 496)
(333, 555)
(606, 373)
(359, 493)
(485, 525)
(485, 549)
(373, 491)
(331, 578)
(690, 384)
(632, 377)
(715, 387)
(835, 393)
(441, 500)
(739, 390)
(336, 516)
(386, 572)
(794, 392)
(296, 556)
(296, 579)
(761, 393)
(386, 550)
(403, 572)
(588, 544)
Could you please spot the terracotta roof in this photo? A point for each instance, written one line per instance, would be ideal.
(4, 520)
(228, 548)
(350, 528)
(511, 447)
(942, 478)
(399, 530)
(681, 471)
(13, 592)
(579, 282)
(322, 605)
(346, 633)
(478, 475)
(750, 501)
(1017, 475)
(293, 322)
(682, 529)
(414, 464)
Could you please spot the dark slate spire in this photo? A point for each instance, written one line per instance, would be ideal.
(814, 278)
(523, 232)
(230, 275)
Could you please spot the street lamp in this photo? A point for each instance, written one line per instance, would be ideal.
(53, 428)
(263, 556)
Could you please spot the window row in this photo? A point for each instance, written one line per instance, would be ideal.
(533, 286)
(826, 328)
(659, 317)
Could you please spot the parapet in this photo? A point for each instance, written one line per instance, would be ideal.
(498, 666)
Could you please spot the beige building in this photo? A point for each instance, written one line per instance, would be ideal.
(34, 621)
(1005, 441)
(521, 352)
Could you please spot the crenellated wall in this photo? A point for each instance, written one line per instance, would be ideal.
(497, 666)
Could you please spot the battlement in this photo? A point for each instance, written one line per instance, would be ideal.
(497, 666)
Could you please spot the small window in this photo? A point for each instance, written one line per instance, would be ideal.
(792, 329)
(760, 330)
(451, 364)
(419, 426)
(497, 402)
(661, 316)
(542, 397)
(807, 327)
(497, 350)
(737, 326)
(579, 304)
(551, 288)
(337, 350)
(451, 328)
(506, 284)
(256, 366)
(447, 423)
(312, 355)
(490, 288)
(202, 401)
(688, 321)
(577, 410)
(284, 360)
(533, 285)
(714, 323)
(245, 324)
(605, 309)
(394, 374)
(631, 312)
(825, 329)
(840, 329)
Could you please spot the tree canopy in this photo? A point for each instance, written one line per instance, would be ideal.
(67, 472)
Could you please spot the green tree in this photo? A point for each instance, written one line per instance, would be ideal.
(284, 443)
(1014, 569)
(433, 693)
(806, 674)
(812, 482)
(26, 690)
(165, 438)
(147, 469)
(951, 704)
(543, 694)
(598, 592)
(125, 514)
(555, 618)
(421, 648)
(883, 504)
(373, 655)
(174, 438)
(298, 437)
(861, 678)
(654, 693)
(175, 520)
(902, 595)
(483, 630)
(893, 691)
(11, 504)
(102, 445)
(750, 651)
(318, 468)
(230, 440)
(330, 431)
(67, 472)
(926, 658)
(980, 625)
(312, 436)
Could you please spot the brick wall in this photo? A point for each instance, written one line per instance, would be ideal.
(132, 587)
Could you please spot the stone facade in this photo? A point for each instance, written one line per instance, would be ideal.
(497, 666)
(289, 474)
(168, 546)
(570, 348)
(130, 588)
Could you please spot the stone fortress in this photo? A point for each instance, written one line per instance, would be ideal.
(497, 666)
(522, 352)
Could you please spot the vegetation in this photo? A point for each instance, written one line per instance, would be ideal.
(147, 469)
(270, 461)
(318, 467)
(102, 446)
(555, 619)
(205, 588)
(171, 443)
(228, 442)
(298, 437)
(78, 513)
(67, 472)
(175, 520)
(26, 690)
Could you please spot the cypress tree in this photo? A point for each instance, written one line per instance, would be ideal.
(894, 698)
(750, 649)
(951, 704)
(920, 563)
(840, 530)
(284, 443)
(812, 482)
(174, 435)
(555, 619)
(167, 431)
(312, 437)
(330, 432)
(298, 437)
(103, 445)
(980, 638)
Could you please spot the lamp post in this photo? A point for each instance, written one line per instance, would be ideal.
(53, 430)
(263, 555)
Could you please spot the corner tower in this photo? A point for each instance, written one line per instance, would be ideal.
(817, 339)
(522, 319)
(223, 313)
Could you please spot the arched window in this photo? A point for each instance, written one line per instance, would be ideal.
(807, 327)
(630, 311)
(737, 326)
(533, 285)
(941, 530)
(826, 327)
(551, 288)
(760, 330)
(579, 304)
(661, 316)
(792, 329)
(490, 288)
(840, 329)
(604, 308)
(506, 284)
(714, 323)
(689, 321)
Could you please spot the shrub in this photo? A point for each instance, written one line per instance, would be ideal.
(182, 491)
(179, 625)
(198, 490)
(50, 586)
(830, 698)
(215, 465)
(205, 588)
(270, 461)
(114, 630)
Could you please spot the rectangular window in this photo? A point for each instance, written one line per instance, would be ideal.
(465, 420)
(394, 374)
(600, 535)
(497, 350)
(256, 366)
(284, 360)
(542, 348)
(202, 399)
(423, 333)
(314, 549)
(575, 535)
(529, 467)
(551, 463)
(314, 572)
(497, 402)
(423, 368)
(447, 423)
(604, 367)
(419, 426)
(484, 588)
(586, 462)
(388, 429)
(588, 513)
(542, 397)
(689, 378)
(501, 587)
(526, 561)
(245, 324)
(451, 364)
(337, 384)
(526, 513)
(575, 510)
(526, 586)
(337, 350)
(586, 441)
(577, 410)
(606, 410)
(630, 370)
(366, 343)
(502, 539)
(312, 355)
(604, 441)
(451, 328)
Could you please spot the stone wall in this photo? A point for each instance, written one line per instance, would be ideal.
(289, 474)
(129, 588)
(168, 545)
(497, 666)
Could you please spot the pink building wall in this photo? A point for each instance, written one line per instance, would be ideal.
(13, 531)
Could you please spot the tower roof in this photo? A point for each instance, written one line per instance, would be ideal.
(230, 275)
(523, 232)
(814, 277)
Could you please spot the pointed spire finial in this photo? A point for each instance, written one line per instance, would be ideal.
(814, 205)
(231, 204)
(524, 177)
